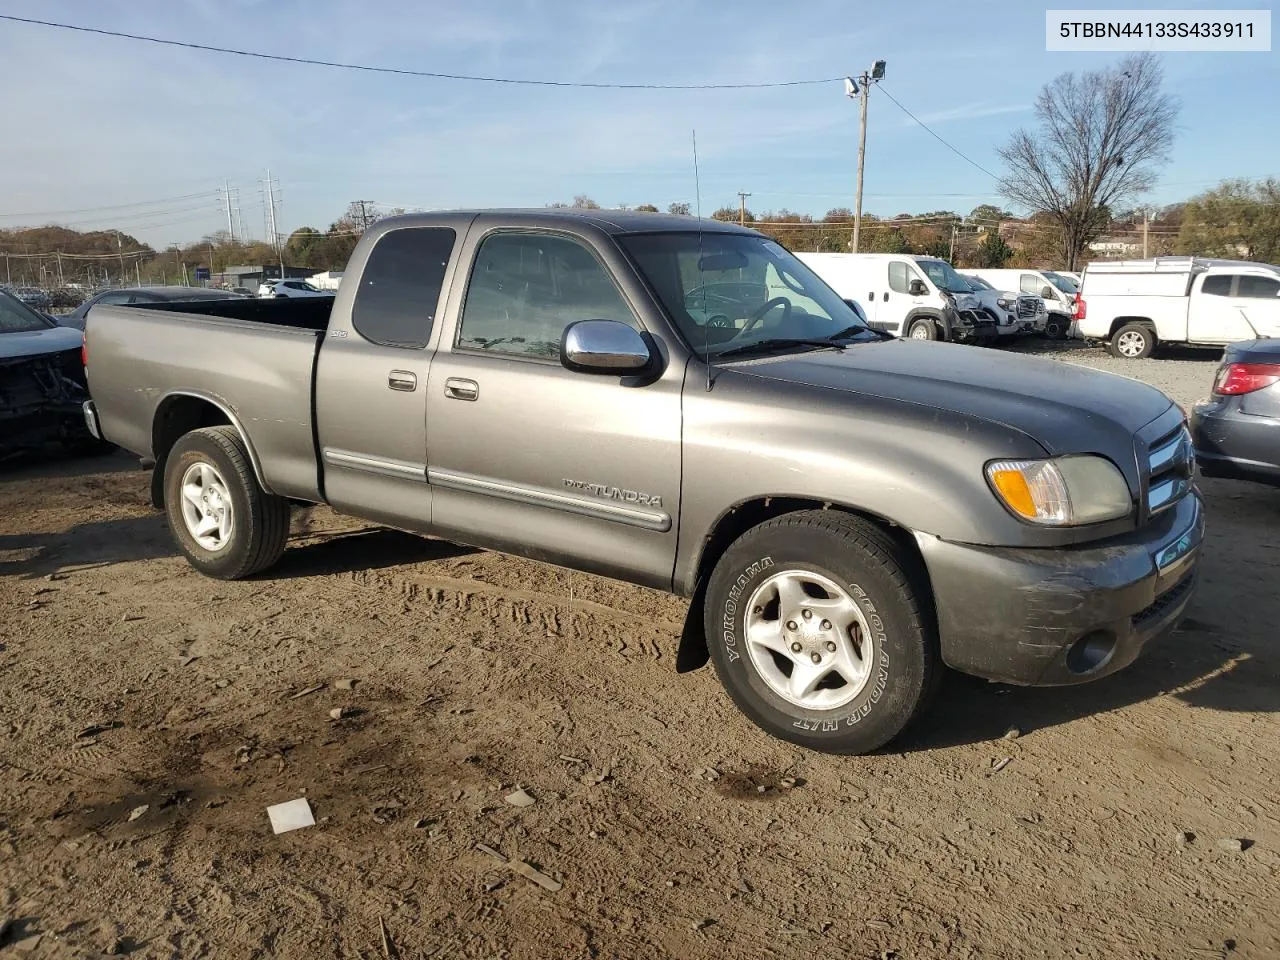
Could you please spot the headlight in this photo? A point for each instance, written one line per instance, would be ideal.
(1004, 303)
(1066, 492)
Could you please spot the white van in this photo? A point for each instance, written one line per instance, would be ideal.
(1058, 293)
(912, 296)
(1136, 304)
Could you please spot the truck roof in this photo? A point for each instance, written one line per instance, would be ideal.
(610, 221)
(1171, 265)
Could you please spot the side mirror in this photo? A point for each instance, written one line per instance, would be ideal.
(1046, 293)
(603, 346)
(917, 288)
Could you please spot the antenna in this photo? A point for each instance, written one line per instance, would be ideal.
(697, 199)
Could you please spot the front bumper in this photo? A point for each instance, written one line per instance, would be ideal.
(1235, 445)
(1061, 616)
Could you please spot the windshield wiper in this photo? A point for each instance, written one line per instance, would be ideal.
(775, 343)
(848, 333)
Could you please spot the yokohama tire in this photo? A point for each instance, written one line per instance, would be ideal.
(259, 524)
(902, 667)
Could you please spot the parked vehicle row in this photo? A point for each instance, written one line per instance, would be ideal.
(291, 288)
(846, 510)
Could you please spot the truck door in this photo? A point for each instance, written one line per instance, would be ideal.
(371, 379)
(1217, 313)
(529, 457)
(1258, 299)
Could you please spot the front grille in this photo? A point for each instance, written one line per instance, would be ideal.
(1026, 308)
(1166, 601)
(1171, 465)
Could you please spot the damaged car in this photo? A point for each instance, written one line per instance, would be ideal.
(42, 383)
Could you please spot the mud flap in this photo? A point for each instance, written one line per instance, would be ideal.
(693, 653)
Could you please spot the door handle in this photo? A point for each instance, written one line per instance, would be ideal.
(458, 389)
(405, 380)
(886, 296)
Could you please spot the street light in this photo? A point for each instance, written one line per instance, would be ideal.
(860, 88)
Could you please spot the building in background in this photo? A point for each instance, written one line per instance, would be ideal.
(250, 276)
(326, 280)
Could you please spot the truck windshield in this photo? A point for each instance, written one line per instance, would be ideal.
(17, 317)
(943, 276)
(725, 291)
(1065, 284)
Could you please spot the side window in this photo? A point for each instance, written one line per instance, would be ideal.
(119, 297)
(526, 288)
(400, 288)
(1260, 287)
(1030, 283)
(1218, 285)
(899, 277)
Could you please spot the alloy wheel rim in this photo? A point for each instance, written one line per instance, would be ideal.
(207, 510)
(808, 640)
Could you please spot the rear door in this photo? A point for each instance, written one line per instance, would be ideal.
(1215, 313)
(371, 380)
(529, 457)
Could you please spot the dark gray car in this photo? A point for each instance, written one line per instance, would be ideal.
(127, 296)
(1237, 431)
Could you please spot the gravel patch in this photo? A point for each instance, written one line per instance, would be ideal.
(1183, 374)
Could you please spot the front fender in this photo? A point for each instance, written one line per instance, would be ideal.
(914, 466)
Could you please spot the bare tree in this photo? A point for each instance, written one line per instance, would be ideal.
(1101, 136)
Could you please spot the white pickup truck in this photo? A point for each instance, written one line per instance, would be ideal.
(1135, 305)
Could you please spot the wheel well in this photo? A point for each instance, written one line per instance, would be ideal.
(1119, 322)
(743, 517)
(176, 417)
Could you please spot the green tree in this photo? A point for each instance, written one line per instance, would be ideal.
(678, 209)
(646, 208)
(988, 214)
(1237, 218)
(992, 252)
(1101, 137)
(886, 240)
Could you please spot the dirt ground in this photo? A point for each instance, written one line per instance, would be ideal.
(148, 716)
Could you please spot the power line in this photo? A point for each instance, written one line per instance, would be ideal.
(935, 136)
(416, 73)
(119, 206)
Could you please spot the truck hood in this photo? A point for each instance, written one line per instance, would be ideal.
(1064, 407)
(38, 342)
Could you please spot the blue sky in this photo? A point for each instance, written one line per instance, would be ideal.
(95, 122)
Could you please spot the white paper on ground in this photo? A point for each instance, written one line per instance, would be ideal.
(293, 815)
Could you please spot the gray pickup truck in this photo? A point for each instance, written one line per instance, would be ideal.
(848, 512)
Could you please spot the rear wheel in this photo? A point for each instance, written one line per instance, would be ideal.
(923, 330)
(1133, 341)
(1055, 327)
(225, 523)
(818, 633)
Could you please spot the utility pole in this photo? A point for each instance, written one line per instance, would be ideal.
(8, 270)
(1146, 222)
(226, 197)
(860, 88)
(742, 208)
(61, 282)
(271, 218)
(951, 253)
(137, 270)
(120, 251)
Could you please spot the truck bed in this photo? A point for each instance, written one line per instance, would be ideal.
(153, 356)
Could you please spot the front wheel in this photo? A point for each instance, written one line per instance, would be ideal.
(225, 523)
(923, 330)
(818, 633)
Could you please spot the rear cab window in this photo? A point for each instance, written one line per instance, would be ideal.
(399, 292)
